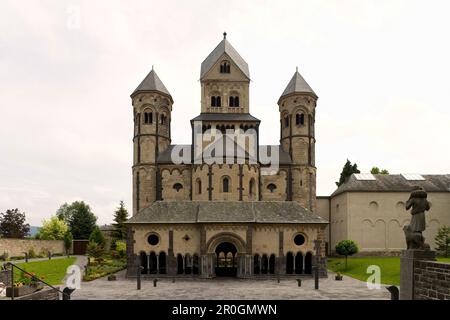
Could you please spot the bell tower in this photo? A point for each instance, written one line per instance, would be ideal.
(152, 108)
(297, 107)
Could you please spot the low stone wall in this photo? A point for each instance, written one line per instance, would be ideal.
(44, 294)
(431, 280)
(17, 247)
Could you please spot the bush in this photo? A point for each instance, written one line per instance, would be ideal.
(31, 253)
(94, 250)
(68, 239)
(346, 248)
(97, 237)
(443, 241)
(121, 248)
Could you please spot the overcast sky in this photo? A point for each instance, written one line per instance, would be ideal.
(380, 68)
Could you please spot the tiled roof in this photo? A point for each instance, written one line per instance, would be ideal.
(224, 47)
(395, 183)
(152, 83)
(298, 85)
(226, 212)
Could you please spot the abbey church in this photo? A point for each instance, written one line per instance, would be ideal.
(244, 210)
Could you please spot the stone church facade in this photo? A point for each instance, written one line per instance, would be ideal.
(232, 213)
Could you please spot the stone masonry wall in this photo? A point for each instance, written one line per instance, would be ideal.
(431, 280)
(17, 247)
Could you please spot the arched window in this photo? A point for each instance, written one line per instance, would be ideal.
(178, 186)
(256, 264)
(289, 263)
(264, 264)
(195, 264)
(299, 263)
(180, 264)
(271, 187)
(153, 263)
(251, 187)
(272, 264)
(225, 184)
(187, 264)
(286, 121)
(234, 101)
(224, 67)
(300, 119)
(144, 264)
(199, 186)
(308, 263)
(162, 263)
(215, 101)
(163, 119)
(148, 117)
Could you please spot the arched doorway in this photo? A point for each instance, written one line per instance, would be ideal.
(226, 260)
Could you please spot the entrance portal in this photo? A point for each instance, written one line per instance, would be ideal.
(226, 260)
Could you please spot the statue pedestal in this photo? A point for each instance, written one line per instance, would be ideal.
(407, 262)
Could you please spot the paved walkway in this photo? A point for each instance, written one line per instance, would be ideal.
(228, 289)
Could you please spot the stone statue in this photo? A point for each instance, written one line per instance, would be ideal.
(413, 232)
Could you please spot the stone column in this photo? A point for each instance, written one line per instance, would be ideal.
(171, 260)
(407, 262)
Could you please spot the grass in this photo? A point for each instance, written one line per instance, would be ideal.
(53, 270)
(357, 267)
(106, 266)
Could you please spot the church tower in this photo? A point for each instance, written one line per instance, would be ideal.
(152, 107)
(297, 107)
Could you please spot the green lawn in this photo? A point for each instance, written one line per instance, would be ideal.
(357, 267)
(53, 270)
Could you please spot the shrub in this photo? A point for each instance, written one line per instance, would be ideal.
(346, 248)
(31, 253)
(121, 248)
(442, 240)
(68, 239)
(94, 250)
(97, 237)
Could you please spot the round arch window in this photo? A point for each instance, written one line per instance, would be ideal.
(153, 239)
(299, 239)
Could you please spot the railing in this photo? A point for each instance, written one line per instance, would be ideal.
(65, 295)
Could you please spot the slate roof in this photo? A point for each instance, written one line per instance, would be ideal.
(225, 117)
(226, 212)
(152, 83)
(165, 157)
(395, 183)
(224, 47)
(298, 85)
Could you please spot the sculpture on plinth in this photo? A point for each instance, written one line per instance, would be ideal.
(413, 232)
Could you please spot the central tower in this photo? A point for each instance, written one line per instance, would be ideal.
(225, 80)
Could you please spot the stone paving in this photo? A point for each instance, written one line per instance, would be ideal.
(228, 289)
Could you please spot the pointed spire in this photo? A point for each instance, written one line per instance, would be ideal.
(224, 47)
(298, 85)
(152, 83)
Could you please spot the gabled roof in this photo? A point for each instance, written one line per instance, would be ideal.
(224, 47)
(298, 85)
(152, 83)
(226, 212)
(395, 183)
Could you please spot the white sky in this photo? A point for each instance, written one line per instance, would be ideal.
(380, 68)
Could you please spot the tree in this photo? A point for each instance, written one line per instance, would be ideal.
(442, 240)
(68, 239)
(81, 221)
(97, 237)
(376, 170)
(12, 224)
(347, 171)
(53, 229)
(346, 248)
(64, 212)
(120, 217)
